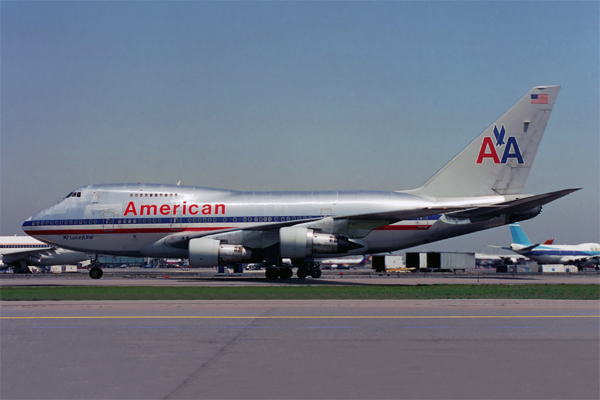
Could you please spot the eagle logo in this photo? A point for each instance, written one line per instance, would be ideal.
(488, 150)
(499, 135)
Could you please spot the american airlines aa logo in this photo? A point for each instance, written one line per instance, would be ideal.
(488, 148)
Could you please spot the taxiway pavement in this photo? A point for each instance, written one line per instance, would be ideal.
(519, 349)
(173, 277)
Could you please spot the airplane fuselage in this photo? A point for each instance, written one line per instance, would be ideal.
(127, 219)
(585, 253)
(17, 249)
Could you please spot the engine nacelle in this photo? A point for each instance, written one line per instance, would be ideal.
(298, 242)
(209, 253)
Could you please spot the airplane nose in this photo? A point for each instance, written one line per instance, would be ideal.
(26, 224)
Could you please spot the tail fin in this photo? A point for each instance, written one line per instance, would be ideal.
(498, 161)
(518, 235)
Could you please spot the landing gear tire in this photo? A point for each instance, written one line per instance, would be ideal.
(96, 273)
(301, 273)
(272, 273)
(286, 273)
(315, 272)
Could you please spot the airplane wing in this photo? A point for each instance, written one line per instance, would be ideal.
(356, 225)
(18, 255)
(360, 225)
(580, 260)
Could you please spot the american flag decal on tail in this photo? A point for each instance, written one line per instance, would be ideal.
(539, 99)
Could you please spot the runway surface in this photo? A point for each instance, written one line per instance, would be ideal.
(468, 349)
(174, 277)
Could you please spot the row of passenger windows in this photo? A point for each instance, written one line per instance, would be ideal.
(201, 220)
(152, 194)
(67, 222)
(78, 194)
(23, 246)
(167, 220)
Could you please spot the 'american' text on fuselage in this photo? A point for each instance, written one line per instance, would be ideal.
(168, 209)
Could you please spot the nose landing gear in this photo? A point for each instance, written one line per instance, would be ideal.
(96, 272)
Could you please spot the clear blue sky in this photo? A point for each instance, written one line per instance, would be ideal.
(292, 96)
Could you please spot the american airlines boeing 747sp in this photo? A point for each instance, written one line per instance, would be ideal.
(480, 188)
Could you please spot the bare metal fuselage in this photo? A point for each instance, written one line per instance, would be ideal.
(127, 219)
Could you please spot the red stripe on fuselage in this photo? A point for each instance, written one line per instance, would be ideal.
(186, 229)
(120, 231)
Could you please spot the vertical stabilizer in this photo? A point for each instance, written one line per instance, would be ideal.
(498, 161)
(518, 235)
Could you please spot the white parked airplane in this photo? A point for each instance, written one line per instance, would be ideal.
(21, 252)
(496, 260)
(480, 188)
(325, 263)
(579, 254)
(344, 262)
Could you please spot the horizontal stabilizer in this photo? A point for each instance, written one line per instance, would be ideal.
(528, 248)
(513, 206)
(499, 247)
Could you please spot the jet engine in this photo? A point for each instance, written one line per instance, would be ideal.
(205, 252)
(298, 242)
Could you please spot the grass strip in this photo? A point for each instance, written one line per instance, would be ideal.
(371, 292)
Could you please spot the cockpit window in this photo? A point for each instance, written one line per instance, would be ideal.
(73, 194)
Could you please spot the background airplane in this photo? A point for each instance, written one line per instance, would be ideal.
(579, 255)
(325, 263)
(344, 262)
(21, 252)
(480, 188)
(496, 260)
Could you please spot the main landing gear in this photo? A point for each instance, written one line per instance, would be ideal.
(308, 268)
(285, 272)
(313, 272)
(282, 272)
